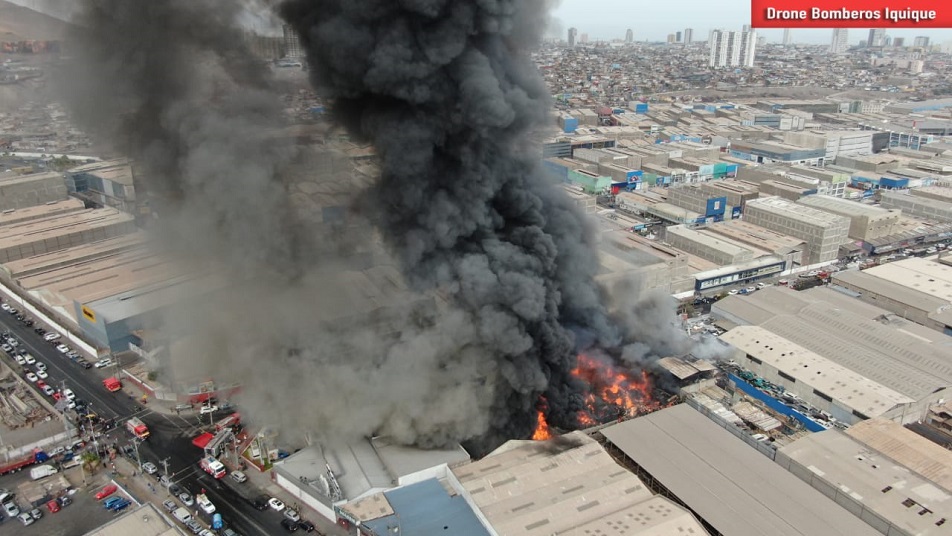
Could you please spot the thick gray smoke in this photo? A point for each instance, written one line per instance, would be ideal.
(446, 92)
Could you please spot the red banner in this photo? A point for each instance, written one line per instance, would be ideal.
(850, 14)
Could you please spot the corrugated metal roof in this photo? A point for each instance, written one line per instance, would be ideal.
(722, 479)
(906, 447)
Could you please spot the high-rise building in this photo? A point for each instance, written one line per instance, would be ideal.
(671, 38)
(877, 37)
(583, 38)
(732, 49)
(786, 36)
(920, 41)
(898, 42)
(629, 36)
(746, 28)
(677, 37)
(688, 36)
(840, 42)
(292, 46)
(573, 32)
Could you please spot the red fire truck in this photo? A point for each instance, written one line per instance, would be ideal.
(137, 428)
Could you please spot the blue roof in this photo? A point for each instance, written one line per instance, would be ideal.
(426, 509)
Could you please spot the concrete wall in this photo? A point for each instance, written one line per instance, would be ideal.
(22, 193)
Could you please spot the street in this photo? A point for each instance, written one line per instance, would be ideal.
(170, 437)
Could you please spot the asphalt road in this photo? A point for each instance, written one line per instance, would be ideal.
(170, 436)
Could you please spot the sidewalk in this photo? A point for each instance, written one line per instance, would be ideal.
(262, 480)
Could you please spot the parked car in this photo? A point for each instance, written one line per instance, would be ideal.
(106, 491)
(19, 359)
(289, 525)
(6, 348)
(26, 519)
(51, 336)
(239, 476)
(186, 498)
(170, 505)
(40, 365)
(69, 394)
(29, 359)
(193, 526)
(83, 363)
(292, 515)
(104, 362)
(207, 409)
(31, 376)
(306, 525)
(64, 501)
(150, 468)
(39, 331)
(53, 506)
(62, 348)
(42, 374)
(48, 391)
(175, 489)
(260, 502)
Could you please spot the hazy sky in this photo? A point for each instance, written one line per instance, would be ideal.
(654, 20)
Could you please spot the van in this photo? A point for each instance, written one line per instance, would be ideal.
(42, 471)
(182, 515)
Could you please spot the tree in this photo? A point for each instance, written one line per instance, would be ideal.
(90, 461)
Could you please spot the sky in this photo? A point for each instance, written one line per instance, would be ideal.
(654, 20)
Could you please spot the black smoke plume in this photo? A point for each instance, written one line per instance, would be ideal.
(447, 94)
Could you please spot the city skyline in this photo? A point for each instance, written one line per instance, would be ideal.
(653, 22)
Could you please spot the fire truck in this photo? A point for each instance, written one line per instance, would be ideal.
(212, 466)
(137, 428)
(231, 422)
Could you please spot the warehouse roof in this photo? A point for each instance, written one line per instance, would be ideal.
(884, 488)
(748, 233)
(726, 483)
(844, 207)
(890, 289)
(55, 226)
(73, 256)
(8, 180)
(926, 458)
(118, 170)
(847, 387)
(920, 274)
(728, 248)
(888, 196)
(53, 208)
(427, 509)
(801, 213)
(872, 347)
(567, 485)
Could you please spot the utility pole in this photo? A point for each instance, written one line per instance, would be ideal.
(135, 446)
(165, 467)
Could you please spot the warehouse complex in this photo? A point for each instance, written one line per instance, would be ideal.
(680, 453)
(822, 232)
(846, 357)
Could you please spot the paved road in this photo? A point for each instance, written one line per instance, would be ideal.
(170, 434)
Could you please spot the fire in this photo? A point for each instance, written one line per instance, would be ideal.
(613, 393)
(542, 431)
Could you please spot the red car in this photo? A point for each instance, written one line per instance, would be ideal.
(106, 491)
(41, 384)
(53, 506)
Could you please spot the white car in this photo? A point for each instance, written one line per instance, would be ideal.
(150, 468)
(275, 504)
(5, 306)
(208, 409)
(41, 374)
(20, 359)
(105, 362)
(26, 519)
(239, 477)
(48, 390)
(6, 348)
(13, 342)
(69, 394)
(292, 515)
(62, 348)
(205, 504)
(733, 292)
(30, 360)
(761, 285)
(31, 377)
(52, 336)
(40, 365)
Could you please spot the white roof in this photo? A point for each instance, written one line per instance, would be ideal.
(802, 213)
(881, 485)
(845, 386)
(568, 485)
(920, 274)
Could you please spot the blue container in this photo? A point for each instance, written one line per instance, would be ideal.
(570, 124)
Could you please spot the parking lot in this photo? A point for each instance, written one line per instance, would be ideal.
(83, 515)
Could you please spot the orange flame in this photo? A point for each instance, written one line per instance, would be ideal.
(613, 393)
(542, 431)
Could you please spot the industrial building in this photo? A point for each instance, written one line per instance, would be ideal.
(919, 289)
(632, 259)
(866, 221)
(737, 193)
(326, 478)
(847, 357)
(109, 183)
(733, 490)
(718, 251)
(696, 199)
(759, 239)
(424, 508)
(59, 231)
(886, 495)
(143, 520)
(22, 191)
(822, 232)
(927, 459)
(740, 273)
(567, 485)
(914, 205)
